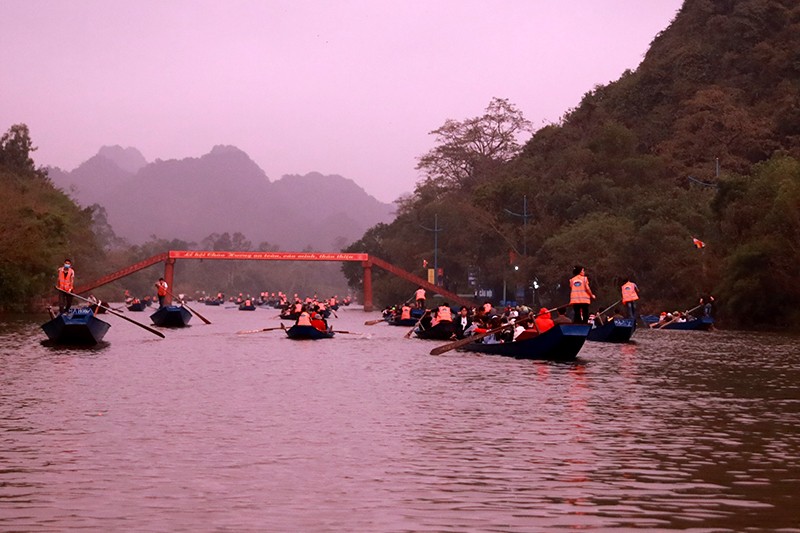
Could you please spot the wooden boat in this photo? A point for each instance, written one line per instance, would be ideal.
(703, 323)
(442, 332)
(308, 332)
(171, 316)
(76, 326)
(213, 302)
(289, 316)
(247, 307)
(560, 343)
(395, 320)
(616, 330)
(137, 306)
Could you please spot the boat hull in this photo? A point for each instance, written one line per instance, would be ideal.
(440, 332)
(703, 323)
(560, 343)
(76, 327)
(171, 316)
(307, 333)
(616, 330)
(139, 306)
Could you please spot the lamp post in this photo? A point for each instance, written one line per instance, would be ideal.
(436, 229)
(525, 216)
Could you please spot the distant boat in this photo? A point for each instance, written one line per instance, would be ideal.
(703, 323)
(137, 305)
(308, 332)
(171, 316)
(615, 330)
(213, 302)
(559, 343)
(77, 326)
(244, 306)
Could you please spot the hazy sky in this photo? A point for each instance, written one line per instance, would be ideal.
(340, 87)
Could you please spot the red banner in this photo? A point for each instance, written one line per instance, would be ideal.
(267, 256)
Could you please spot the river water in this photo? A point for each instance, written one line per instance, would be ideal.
(211, 430)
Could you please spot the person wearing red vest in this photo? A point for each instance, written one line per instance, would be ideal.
(66, 282)
(161, 291)
(405, 312)
(580, 295)
(630, 293)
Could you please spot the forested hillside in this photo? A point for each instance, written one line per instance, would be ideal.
(701, 141)
(40, 225)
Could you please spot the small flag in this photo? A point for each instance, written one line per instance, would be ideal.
(698, 243)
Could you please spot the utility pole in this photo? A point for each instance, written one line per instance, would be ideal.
(525, 216)
(436, 229)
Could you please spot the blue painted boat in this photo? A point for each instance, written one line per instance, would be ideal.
(560, 343)
(307, 333)
(704, 323)
(77, 326)
(247, 307)
(395, 320)
(616, 330)
(171, 316)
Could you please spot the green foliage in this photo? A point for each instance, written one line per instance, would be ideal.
(41, 226)
(608, 185)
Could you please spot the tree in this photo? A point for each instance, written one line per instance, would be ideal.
(471, 150)
(15, 151)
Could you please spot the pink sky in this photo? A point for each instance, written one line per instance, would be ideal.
(339, 87)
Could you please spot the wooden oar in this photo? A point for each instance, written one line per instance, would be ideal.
(183, 303)
(408, 335)
(260, 330)
(347, 332)
(676, 318)
(373, 322)
(463, 342)
(132, 321)
(601, 313)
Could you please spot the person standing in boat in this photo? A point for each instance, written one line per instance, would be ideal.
(161, 291)
(580, 295)
(66, 282)
(630, 293)
(419, 295)
(707, 301)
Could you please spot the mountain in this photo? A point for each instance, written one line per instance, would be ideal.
(221, 191)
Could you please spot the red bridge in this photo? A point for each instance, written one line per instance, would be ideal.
(367, 262)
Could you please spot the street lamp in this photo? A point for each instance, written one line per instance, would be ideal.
(436, 229)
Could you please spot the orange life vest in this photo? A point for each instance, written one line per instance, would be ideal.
(420, 294)
(304, 319)
(66, 279)
(629, 293)
(579, 290)
(162, 288)
(405, 313)
(444, 314)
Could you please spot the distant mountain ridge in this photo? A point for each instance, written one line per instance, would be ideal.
(221, 191)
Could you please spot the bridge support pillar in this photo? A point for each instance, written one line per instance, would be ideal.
(169, 275)
(367, 286)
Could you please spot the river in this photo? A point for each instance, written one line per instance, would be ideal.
(212, 430)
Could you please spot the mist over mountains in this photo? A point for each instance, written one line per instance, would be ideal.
(221, 191)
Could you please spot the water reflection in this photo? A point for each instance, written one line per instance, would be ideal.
(209, 430)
